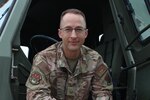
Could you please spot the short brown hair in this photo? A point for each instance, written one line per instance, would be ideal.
(73, 11)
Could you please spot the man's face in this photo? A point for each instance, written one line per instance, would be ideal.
(73, 31)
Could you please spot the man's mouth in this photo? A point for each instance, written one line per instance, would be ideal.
(74, 43)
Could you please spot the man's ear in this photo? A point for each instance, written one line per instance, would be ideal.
(59, 33)
(86, 33)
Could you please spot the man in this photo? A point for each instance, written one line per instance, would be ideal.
(68, 70)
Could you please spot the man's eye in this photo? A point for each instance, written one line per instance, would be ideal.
(68, 29)
(79, 30)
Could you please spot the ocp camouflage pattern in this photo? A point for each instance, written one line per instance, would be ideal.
(55, 81)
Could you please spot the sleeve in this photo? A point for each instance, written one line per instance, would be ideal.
(38, 85)
(102, 85)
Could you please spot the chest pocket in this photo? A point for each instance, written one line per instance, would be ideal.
(84, 85)
(58, 80)
(87, 75)
(85, 79)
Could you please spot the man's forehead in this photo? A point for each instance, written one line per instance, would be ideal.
(71, 18)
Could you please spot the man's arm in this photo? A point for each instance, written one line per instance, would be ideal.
(38, 86)
(102, 85)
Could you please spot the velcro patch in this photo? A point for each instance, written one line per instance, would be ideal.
(35, 78)
(101, 70)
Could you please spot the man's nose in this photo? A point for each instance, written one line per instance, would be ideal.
(73, 33)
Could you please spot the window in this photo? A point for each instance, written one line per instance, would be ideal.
(2, 2)
(4, 8)
(141, 16)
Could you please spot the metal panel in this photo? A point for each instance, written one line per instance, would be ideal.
(7, 42)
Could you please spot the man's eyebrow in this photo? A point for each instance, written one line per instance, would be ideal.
(72, 27)
(67, 27)
(79, 27)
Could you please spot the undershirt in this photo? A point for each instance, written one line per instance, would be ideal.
(72, 64)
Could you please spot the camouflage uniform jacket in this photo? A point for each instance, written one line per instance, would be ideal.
(51, 78)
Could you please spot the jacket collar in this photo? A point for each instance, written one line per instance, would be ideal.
(81, 65)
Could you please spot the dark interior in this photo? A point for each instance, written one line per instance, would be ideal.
(43, 19)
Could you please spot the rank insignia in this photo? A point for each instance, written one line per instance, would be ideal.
(35, 78)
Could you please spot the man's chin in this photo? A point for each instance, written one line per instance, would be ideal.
(74, 48)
